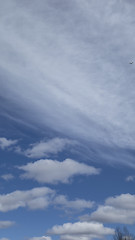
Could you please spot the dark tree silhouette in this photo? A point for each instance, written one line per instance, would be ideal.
(123, 234)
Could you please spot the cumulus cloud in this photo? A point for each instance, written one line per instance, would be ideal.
(85, 86)
(6, 224)
(44, 148)
(5, 143)
(52, 171)
(36, 198)
(76, 237)
(7, 177)
(81, 230)
(40, 238)
(78, 204)
(119, 209)
(40, 198)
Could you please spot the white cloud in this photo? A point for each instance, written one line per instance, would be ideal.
(130, 178)
(40, 238)
(85, 85)
(52, 171)
(76, 237)
(4, 238)
(36, 198)
(82, 230)
(7, 177)
(40, 198)
(6, 224)
(78, 204)
(122, 201)
(119, 209)
(5, 143)
(44, 148)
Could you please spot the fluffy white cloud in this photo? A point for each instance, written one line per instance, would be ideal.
(76, 237)
(6, 224)
(7, 177)
(36, 198)
(82, 230)
(40, 238)
(40, 198)
(126, 201)
(44, 148)
(119, 209)
(5, 143)
(109, 214)
(52, 171)
(78, 204)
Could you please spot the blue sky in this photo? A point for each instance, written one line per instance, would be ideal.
(67, 132)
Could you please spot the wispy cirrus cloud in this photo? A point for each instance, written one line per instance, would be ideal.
(7, 176)
(6, 143)
(130, 178)
(39, 149)
(6, 224)
(70, 70)
(4, 239)
(45, 148)
(54, 172)
(81, 230)
(40, 238)
(71, 206)
(64, 203)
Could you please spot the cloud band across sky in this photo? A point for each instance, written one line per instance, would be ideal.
(64, 75)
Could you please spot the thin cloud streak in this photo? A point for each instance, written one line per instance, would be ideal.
(6, 143)
(7, 176)
(4, 239)
(6, 224)
(62, 202)
(40, 238)
(130, 178)
(46, 148)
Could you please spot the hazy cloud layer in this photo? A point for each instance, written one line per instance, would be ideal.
(81, 230)
(5, 143)
(45, 148)
(52, 171)
(65, 65)
(119, 209)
